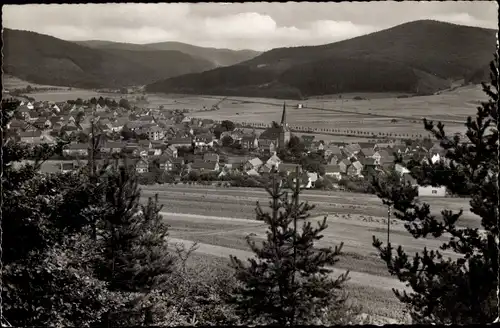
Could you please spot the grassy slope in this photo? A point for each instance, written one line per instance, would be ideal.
(419, 56)
(44, 59)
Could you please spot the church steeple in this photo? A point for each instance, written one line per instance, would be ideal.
(283, 116)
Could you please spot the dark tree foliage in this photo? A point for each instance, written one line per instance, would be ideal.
(44, 222)
(227, 141)
(124, 103)
(296, 146)
(135, 257)
(460, 290)
(288, 281)
(227, 125)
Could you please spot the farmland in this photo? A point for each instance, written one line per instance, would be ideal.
(345, 114)
(222, 217)
(378, 112)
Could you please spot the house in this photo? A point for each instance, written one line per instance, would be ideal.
(142, 166)
(180, 142)
(235, 161)
(312, 178)
(166, 163)
(288, 168)
(333, 171)
(366, 152)
(352, 149)
(76, 149)
(155, 133)
(252, 172)
(274, 161)
(204, 140)
(355, 169)
(430, 191)
(368, 163)
(344, 165)
(30, 136)
(203, 166)
(112, 147)
(71, 126)
(317, 145)
(250, 142)
(253, 164)
(211, 157)
(401, 169)
(171, 151)
(42, 123)
(385, 157)
(145, 144)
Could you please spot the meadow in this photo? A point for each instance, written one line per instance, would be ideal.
(223, 217)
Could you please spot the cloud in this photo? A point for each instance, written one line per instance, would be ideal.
(463, 19)
(259, 26)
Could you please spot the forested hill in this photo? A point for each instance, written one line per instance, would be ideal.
(43, 59)
(418, 57)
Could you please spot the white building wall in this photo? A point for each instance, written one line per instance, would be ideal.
(429, 191)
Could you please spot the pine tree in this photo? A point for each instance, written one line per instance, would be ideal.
(135, 258)
(444, 290)
(288, 281)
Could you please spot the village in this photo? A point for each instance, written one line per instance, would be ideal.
(170, 146)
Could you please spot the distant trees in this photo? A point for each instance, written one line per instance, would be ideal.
(227, 125)
(296, 145)
(227, 141)
(124, 103)
(462, 290)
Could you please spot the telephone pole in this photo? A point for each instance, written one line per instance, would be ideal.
(388, 222)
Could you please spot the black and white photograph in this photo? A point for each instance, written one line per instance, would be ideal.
(253, 163)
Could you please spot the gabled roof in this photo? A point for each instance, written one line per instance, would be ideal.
(252, 172)
(367, 151)
(345, 161)
(367, 161)
(211, 157)
(332, 168)
(274, 159)
(289, 167)
(357, 165)
(205, 165)
(255, 162)
(30, 134)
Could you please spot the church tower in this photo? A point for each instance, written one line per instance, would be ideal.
(284, 134)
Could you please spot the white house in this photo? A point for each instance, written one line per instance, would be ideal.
(401, 169)
(430, 191)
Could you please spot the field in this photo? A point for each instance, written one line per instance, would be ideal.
(452, 107)
(220, 218)
(373, 115)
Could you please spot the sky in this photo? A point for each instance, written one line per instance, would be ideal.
(259, 26)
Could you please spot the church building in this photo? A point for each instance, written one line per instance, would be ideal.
(275, 138)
